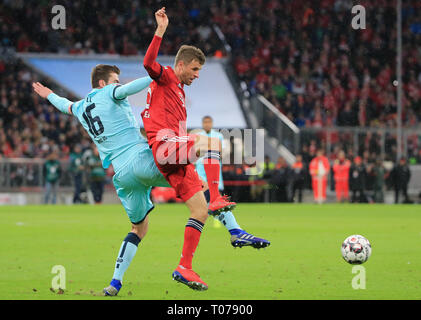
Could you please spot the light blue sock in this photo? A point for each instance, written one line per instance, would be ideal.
(125, 255)
(226, 218)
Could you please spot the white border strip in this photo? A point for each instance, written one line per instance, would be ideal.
(278, 113)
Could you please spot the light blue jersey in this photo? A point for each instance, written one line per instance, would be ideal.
(111, 124)
(106, 115)
(199, 163)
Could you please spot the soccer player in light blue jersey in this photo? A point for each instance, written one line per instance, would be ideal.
(106, 115)
(239, 237)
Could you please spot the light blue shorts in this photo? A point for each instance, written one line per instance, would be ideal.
(134, 182)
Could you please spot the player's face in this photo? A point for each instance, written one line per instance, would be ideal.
(190, 72)
(113, 78)
(207, 124)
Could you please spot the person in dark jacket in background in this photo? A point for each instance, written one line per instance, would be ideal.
(52, 173)
(401, 175)
(299, 175)
(97, 176)
(281, 180)
(357, 180)
(77, 169)
(379, 172)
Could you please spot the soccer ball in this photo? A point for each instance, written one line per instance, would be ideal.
(356, 249)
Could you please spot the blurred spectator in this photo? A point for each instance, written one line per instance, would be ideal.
(341, 169)
(268, 167)
(256, 190)
(96, 176)
(280, 181)
(52, 173)
(319, 171)
(299, 174)
(378, 189)
(238, 191)
(77, 169)
(357, 180)
(400, 178)
(263, 190)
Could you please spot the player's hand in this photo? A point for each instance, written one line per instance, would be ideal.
(161, 18)
(41, 90)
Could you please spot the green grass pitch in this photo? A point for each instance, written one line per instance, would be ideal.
(303, 262)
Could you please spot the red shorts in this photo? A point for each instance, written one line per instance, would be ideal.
(174, 158)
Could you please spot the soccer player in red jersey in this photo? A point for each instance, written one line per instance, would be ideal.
(174, 150)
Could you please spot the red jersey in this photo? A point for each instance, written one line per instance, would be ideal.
(165, 114)
(341, 170)
(319, 167)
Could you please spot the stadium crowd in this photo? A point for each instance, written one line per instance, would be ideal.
(302, 55)
(357, 180)
(30, 127)
(104, 27)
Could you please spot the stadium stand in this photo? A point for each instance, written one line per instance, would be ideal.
(307, 62)
(30, 127)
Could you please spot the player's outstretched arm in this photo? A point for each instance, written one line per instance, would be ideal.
(135, 86)
(60, 103)
(162, 21)
(154, 68)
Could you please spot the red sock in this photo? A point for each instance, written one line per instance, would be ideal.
(191, 240)
(212, 169)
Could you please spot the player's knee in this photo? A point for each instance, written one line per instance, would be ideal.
(140, 233)
(140, 229)
(200, 213)
(201, 216)
(198, 207)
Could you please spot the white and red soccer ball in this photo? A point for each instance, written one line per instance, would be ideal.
(356, 249)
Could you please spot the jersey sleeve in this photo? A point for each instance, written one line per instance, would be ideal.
(62, 104)
(111, 92)
(121, 92)
(156, 71)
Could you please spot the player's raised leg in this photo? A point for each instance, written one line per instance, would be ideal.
(125, 256)
(211, 149)
(198, 215)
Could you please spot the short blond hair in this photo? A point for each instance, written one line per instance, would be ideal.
(189, 53)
